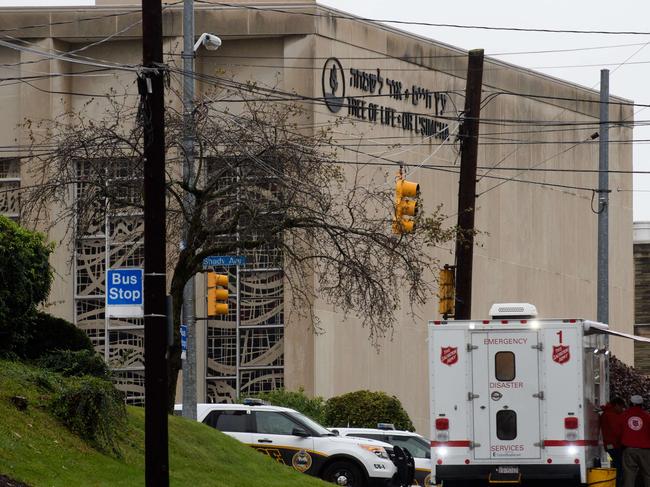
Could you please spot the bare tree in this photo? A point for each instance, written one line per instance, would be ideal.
(261, 180)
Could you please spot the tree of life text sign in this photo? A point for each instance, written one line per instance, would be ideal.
(124, 293)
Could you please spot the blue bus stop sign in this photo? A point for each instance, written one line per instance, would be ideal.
(124, 293)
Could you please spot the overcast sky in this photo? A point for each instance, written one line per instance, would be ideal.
(628, 78)
(627, 64)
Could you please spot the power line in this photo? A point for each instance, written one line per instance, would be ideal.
(332, 15)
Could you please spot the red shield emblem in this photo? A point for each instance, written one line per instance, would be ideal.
(561, 354)
(449, 355)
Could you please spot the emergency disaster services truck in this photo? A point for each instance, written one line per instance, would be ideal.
(516, 398)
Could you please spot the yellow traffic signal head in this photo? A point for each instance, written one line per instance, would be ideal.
(446, 293)
(217, 294)
(215, 280)
(407, 189)
(405, 207)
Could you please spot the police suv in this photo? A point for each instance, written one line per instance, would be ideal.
(418, 446)
(293, 439)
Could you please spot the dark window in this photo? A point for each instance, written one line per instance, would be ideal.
(232, 421)
(504, 366)
(271, 423)
(507, 424)
(416, 447)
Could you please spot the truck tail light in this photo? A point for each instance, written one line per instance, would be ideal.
(442, 424)
(442, 429)
(571, 428)
(571, 423)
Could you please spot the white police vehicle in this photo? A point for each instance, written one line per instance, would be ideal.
(293, 439)
(418, 446)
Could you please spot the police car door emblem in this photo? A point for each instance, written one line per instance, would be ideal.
(449, 355)
(301, 461)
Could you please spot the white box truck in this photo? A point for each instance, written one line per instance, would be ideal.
(515, 398)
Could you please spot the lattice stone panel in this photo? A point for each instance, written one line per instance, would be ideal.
(121, 341)
(90, 264)
(90, 318)
(9, 167)
(261, 298)
(221, 390)
(126, 255)
(264, 256)
(222, 351)
(126, 348)
(127, 228)
(255, 382)
(261, 347)
(10, 198)
(131, 383)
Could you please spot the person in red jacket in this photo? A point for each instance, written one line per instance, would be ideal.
(636, 441)
(611, 426)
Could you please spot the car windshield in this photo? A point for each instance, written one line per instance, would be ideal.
(416, 446)
(311, 424)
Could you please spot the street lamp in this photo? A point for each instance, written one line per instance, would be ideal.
(210, 41)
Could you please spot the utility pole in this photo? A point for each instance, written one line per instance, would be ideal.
(603, 201)
(189, 365)
(155, 329)
(467, 185)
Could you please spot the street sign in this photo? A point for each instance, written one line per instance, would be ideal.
(223, 261)
(183, 342)
(124, 293)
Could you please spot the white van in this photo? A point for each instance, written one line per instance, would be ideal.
(515, 398)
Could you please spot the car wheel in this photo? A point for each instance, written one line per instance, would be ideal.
(344, 474)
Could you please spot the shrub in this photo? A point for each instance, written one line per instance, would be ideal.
(75, 363)
(364, 409)
(25, 280)
(625, 381)
(298, 400)
(49, 333)
(93, 409)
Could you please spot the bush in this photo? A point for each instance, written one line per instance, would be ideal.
(298, 400)
(48, 333)
(93, 409)
(626, 381)
(25, 280)
(75, 363)
(364, 409)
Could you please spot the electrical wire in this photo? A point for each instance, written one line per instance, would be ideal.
(332, 15)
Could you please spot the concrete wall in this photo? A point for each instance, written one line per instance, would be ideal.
(536, 243)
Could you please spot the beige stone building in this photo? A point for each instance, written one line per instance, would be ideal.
(538, 231)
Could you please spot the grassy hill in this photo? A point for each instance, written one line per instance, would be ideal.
(35, 448)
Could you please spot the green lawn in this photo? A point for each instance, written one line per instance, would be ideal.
(35, 448)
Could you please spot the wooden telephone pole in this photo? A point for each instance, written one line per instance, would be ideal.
(467, 186)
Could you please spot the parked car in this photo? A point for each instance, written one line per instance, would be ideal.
(418, 446)
(293, 439)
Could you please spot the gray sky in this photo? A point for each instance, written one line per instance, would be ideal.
(628, 71)
(628, 80)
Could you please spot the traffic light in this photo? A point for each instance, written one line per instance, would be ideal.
(406, 194)
(446, 298)
(217, 294)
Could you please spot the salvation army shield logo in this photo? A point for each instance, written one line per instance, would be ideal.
(561, 354)
(635, 423)
(449, 355)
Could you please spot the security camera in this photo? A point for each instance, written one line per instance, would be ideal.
(209, 41)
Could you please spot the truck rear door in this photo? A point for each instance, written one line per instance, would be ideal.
(505, 395)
